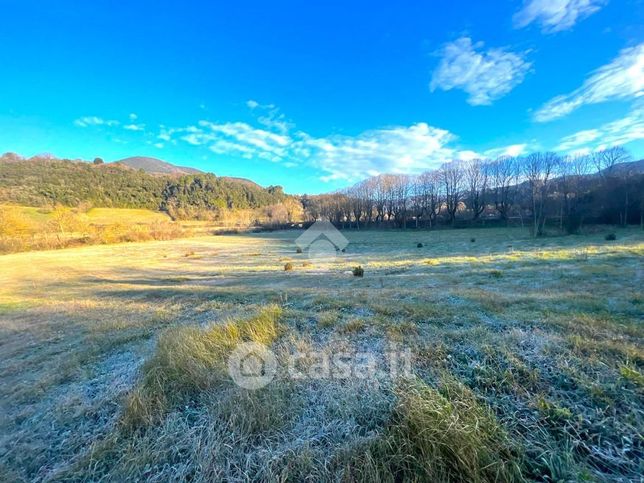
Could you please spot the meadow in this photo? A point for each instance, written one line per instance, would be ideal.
(26, 228)
(528, 361)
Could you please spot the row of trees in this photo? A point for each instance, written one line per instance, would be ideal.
(538, 188)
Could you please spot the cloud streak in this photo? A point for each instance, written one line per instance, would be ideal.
(88, 121)
(555, 15)
(486, 75)
(622, 78)
(619, 132)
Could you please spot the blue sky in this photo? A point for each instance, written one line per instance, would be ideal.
(317, 95)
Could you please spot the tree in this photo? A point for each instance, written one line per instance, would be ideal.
(98, 161)
(504, 177)
(451, 176)
(606, 159)
(537, 169)
(476, 180)
(571, 173)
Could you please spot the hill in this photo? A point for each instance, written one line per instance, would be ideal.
(156, 166)
(244, 181)
(45, 181)
(627, 168)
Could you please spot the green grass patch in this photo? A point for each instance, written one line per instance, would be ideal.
(440, 434)
(191, 359)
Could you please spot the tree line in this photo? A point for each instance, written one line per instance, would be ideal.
(538, 190)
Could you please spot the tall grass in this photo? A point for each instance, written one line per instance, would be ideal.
(191, 359)
(438, 434)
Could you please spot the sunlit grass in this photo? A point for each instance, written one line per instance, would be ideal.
(528, 358)
(190, 359)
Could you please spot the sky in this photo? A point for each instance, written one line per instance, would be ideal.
(315, 96)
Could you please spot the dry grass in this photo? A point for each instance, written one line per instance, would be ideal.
(24, 228)
(112, 360)
(440, 434)
(189, 360)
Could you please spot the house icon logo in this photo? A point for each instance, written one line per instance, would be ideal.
(252, 365)
(322, 241)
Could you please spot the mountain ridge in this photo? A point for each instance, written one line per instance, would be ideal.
(155, 166)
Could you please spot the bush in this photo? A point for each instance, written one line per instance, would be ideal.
(358, 271)
(420, 245)
(298, 250)
(496, 273)
(13, 223)
(610, 237)
(288, 267)
(472, 240)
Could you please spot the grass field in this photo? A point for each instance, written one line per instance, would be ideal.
(527, 358)
(25, 228)
(101, 216)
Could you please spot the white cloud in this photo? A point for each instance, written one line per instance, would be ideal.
(623, 78)
(486, 75)
(134, 127)
(615, 133)
(94, 121)
(270, 117)
(88, 121)
(237, 137)
(511, 150)
(396, 149)
(555, 15)
(399, 149)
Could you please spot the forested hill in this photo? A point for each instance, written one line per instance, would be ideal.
(41, 181)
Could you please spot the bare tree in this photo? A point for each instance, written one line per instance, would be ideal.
(571, 172)
(476, 180)
(606, 159)
(451, 176)
(401, 189)
(380, 198)
(504, 177)
(538, 169)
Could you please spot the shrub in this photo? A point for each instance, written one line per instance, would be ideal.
(13, 222)
(496, 273)
(298, 250)
(472, 240)
(610, 237)
(288, 266)
(420, 245)
(358, 271)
